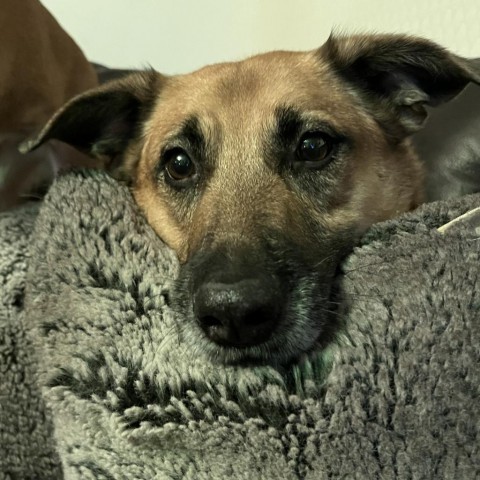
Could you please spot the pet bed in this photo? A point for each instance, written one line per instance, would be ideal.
(96, 383)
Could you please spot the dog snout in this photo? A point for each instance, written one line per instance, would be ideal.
(241, 313)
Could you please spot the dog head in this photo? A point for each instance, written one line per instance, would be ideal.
(261, 175)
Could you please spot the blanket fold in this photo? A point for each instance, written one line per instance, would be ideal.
(395, 396)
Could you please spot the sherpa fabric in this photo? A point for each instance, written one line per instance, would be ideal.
(27, 450)
(130, 400)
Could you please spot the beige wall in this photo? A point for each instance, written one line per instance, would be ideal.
(181, 35)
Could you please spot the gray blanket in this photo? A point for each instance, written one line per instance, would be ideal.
(395, 396)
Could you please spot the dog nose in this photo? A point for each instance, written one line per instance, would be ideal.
(239, 314)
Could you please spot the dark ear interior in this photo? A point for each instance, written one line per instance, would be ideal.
(398, 76)
(103, 121)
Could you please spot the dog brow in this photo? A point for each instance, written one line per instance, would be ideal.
(289, 125)
(191, 133)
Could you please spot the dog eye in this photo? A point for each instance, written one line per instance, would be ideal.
(314, 148)
(178, 165)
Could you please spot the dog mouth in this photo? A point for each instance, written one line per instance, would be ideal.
(259, 306)
(299, 320)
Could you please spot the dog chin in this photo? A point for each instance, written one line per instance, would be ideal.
(269, 353)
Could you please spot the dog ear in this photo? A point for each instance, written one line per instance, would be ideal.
(397, 76)
(103, 121)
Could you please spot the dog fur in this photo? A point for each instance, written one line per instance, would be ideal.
(41, 68)
(260, 231)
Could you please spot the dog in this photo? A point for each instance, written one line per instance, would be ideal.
(262, 174)
(41, 68)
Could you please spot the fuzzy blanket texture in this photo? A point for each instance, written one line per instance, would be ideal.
(96, 383)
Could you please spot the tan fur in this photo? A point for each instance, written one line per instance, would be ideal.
(371, 90)
(41, 66)
(235, 103)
